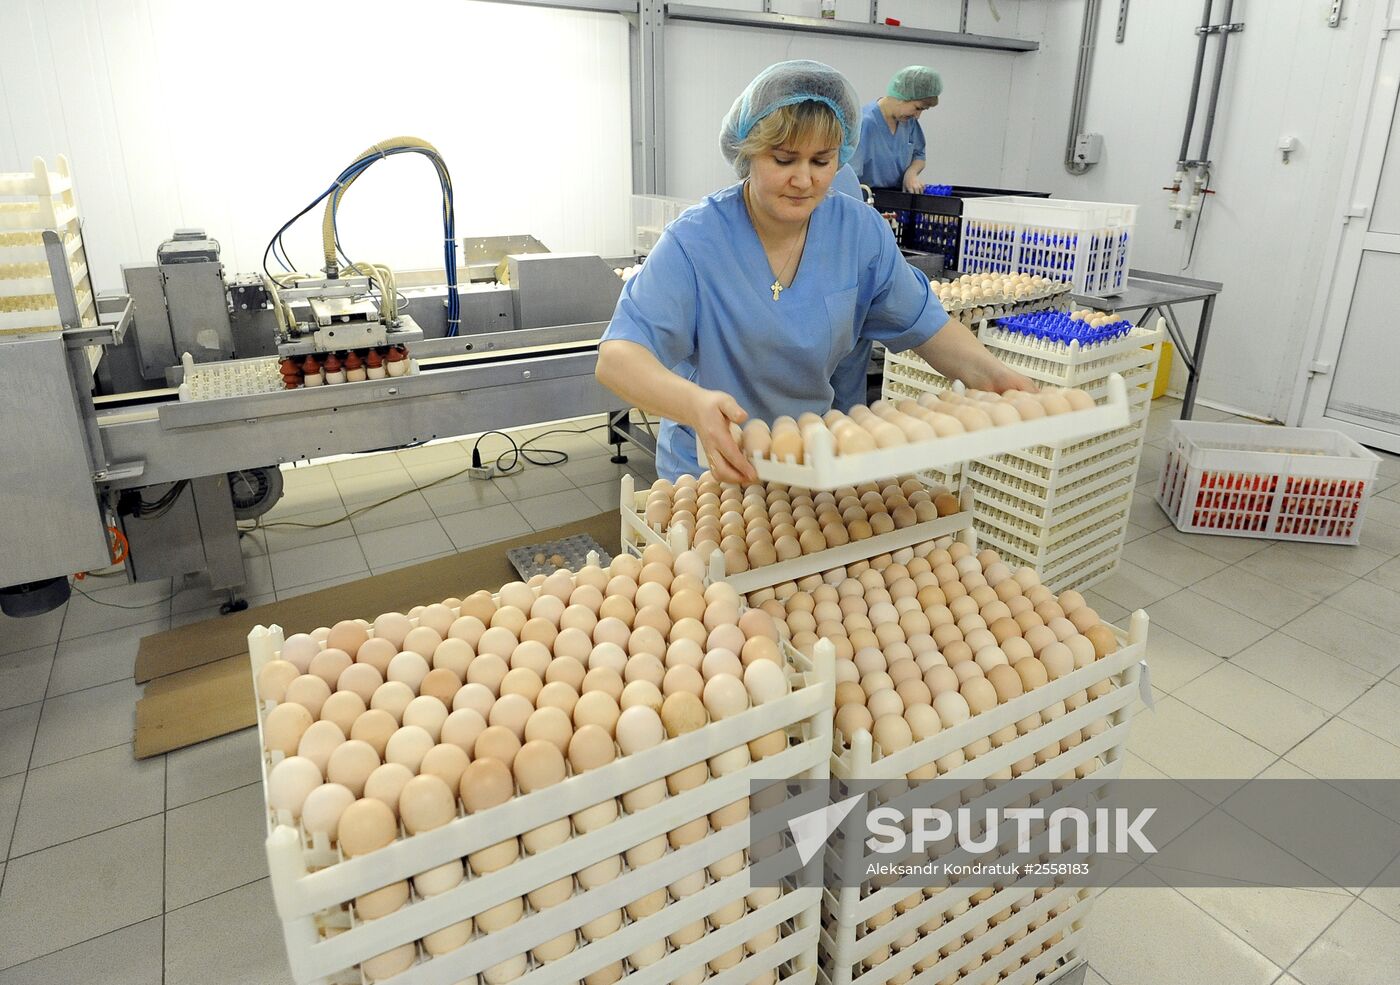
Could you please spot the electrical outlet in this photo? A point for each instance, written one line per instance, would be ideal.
(482, 472)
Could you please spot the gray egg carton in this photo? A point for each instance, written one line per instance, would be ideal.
(574, 550)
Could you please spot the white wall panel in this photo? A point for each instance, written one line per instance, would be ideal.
(1263, 233)
(177, 114)
(707, 66)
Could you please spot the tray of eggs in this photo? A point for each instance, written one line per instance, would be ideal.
(988, 290)
(768, 533)
(541, 785)
(953, 661)
(890, 439)
(952, 665)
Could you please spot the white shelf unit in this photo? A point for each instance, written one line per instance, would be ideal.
(637, 534)
(1058, 507)
(1101, 725)
(312, 884)
(32, 203)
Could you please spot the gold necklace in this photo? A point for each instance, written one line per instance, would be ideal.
(777, 286)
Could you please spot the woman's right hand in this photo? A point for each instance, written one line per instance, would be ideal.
(713, 413)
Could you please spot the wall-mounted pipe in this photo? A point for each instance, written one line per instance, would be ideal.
(1201, 38)
(1226, 27)
(1087, 34)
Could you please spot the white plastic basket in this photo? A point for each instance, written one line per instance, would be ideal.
(1257, 480)
(651, 214)
(824, 469)
(1086, 243)
(311, 882)
(1100, 728)
(637, 534)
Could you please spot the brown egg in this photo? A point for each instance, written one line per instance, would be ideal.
(591, 747)
(446, 761)
(980, 694)
(374, 727)
(347, 636)
(343, 708)
(683, 712)
(284, 727)
(1103, 639)
(366, 826)
(486, 783)
(441, 684)
(940, 679)
(497, 742)
(851, 719)
(1083, 618)
(1006, 681)
(597, 708)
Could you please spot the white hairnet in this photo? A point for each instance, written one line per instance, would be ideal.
(786, 84)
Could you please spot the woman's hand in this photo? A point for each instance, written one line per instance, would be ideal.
(913, 182)
(712, 414)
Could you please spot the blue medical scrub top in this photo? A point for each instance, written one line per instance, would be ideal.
(881, 157)
(703, 305)
(847, 183)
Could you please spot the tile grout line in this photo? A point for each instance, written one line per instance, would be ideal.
(164, 857)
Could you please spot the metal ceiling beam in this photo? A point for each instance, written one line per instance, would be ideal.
(851, 29)
(598, 6)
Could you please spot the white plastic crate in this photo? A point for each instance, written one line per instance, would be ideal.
(1099, 726)
(824, 469)
(1257, 480)
(1073, 560)
(1086, 243)
(637, 534)
(651, 214)
(312, 883)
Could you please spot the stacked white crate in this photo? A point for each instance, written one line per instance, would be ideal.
(1009, 932)
(30, 203)
(1062, 508)
(774, 942)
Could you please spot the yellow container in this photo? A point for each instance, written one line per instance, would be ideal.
(1164, 369)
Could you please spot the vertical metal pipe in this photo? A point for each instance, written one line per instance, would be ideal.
(962, 18)
(1201, 39)
(1081, 84)
(1215, 85)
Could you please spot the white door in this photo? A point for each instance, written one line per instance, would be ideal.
(1353, 380)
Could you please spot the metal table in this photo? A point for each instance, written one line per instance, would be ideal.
(1153, 292)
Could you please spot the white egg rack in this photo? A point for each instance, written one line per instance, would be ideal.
(1257, 480)
(229, 378)
(1061, 554)
(1088, 243)
(1100, 727)
(30, 203)
(823, 468)
(637, 534)
(312, 883)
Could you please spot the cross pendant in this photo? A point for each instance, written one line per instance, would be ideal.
(777, 289)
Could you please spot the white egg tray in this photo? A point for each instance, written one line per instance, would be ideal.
(577, 551)
(824, 469)
(637, 535)
(845, 948)
(312, 883)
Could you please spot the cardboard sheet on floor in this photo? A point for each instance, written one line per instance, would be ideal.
(198, 682)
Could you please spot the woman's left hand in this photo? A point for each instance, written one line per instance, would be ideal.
(913, 182)
(1004, 379)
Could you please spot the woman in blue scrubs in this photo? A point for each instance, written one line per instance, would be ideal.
(891, 152)
(752, 298)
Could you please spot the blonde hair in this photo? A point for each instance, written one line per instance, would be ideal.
(788, 126)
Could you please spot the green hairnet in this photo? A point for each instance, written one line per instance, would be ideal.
(915, 83)
(786, 84)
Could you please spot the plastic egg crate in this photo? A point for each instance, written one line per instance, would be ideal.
(568, 552)
(773, 941)
(637, 534)
(823, 468)
(1257, 480)
(1088, 244)
(1069, 560)
(230, 378)
(863, 945)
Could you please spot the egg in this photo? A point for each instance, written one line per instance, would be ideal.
(284, 727)
(425, 803)
(603, 679)
(323, 807)
(725, 696)
(310, 692)
(596, 708)
(407, 746)
(366, 826)
(350, 765)
(539, 764)
(343, 708)
(549, 725)
(298, 649)
(497, 742)
(290, 782)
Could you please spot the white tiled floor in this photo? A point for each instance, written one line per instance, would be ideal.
(1267, 658)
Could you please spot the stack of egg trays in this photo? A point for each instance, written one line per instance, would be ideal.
(848, 943)
(637, 535)
(313, 885)
(33, 202)
(1060, 508)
